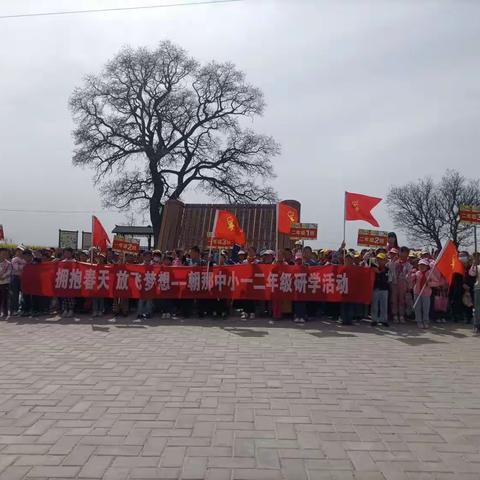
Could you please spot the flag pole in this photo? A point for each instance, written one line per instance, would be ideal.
(430, 273)
(344, 225)
(91, 246)
(475, 238)
(276, 232)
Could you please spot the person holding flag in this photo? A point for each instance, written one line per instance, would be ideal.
(422, 291)
(447, 264)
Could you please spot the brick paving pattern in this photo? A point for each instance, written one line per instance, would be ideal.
(238, 401)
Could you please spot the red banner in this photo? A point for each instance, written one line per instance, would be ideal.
(333, 283)
(469, 214)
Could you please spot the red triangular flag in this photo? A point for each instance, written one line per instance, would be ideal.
(226, 227)
(286, 215)
(448, 262)
(359, 207)
(100, 238)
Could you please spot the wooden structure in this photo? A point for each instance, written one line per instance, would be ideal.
(184, 225)
(135, 231)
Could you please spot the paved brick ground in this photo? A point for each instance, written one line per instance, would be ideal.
(238, 401)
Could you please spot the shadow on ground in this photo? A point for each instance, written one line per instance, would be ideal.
(408, 333)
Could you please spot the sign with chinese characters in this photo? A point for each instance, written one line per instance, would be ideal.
(469, 214)
(304, 231)
(217, 242)
(86, 240)
(332, 283)
(372, 238)
(68, 239)
(125, 245)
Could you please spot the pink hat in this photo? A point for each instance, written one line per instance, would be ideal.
(393, 251)
(424, 261)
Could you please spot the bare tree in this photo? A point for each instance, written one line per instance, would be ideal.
(455, 190)
(428, 212)
(156, 122)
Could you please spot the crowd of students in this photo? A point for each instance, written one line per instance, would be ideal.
(406, 286)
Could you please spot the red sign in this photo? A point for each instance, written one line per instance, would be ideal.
(333, 283)
(304, 231)
(124, 245)
(372, 238)
(469, 214)
(1, 233)
(218, 242)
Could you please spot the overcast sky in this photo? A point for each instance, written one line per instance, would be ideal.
(360, 94)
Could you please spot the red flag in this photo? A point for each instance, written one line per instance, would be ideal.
(226, 227)
(286, 215)
(99, 235)
(359, 207)
(448, 262)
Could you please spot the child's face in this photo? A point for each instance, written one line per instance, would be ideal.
(67, 254)
(422, 268)
(403, 255)
(3, 255)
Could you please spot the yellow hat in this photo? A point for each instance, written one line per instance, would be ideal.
(382, 256)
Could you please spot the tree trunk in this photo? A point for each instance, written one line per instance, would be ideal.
(156, 219)
(155, 204)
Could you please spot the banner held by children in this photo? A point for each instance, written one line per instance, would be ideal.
(332, 283)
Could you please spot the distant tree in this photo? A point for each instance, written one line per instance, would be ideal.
(155, 123)
(427, 211)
